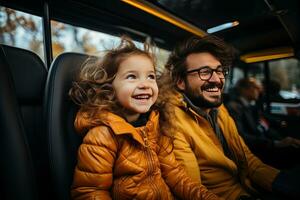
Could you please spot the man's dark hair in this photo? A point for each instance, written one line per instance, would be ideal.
(176, 63)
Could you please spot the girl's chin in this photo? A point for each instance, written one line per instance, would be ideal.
(139, 110)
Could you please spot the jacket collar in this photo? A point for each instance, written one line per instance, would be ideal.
(213, 113)
(223, 117)
(120, 126)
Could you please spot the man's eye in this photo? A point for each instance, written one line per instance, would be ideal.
(205, 71)
(220, 70)
(152, 76)
(130, 76)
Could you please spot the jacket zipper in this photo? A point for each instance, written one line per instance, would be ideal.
(150, 160)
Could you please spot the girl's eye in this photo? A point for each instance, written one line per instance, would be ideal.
(152, 76)
(130, 76)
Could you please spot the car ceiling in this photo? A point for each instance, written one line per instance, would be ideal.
(263, 24)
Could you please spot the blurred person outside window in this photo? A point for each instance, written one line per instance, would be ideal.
(263, 140)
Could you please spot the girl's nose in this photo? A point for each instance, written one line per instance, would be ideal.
(143, 84)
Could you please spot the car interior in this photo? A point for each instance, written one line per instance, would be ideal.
(38, 141)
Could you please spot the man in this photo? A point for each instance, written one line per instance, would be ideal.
(263, 140)
(206, 140)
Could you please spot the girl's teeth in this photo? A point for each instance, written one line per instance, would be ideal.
(142, 97)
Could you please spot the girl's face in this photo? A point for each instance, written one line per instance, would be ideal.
(135, 86)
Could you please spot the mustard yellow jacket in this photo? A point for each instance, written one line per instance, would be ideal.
(197, 147)
(119, 161)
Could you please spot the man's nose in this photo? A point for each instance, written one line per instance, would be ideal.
(214, 77)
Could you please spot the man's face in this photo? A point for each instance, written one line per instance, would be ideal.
(203, 93)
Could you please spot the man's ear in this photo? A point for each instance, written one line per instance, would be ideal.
(181, 84)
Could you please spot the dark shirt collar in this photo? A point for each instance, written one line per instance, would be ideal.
(141, 121)
(213, 113)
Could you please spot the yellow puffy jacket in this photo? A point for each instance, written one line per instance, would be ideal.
(198, 148)
(119, 161)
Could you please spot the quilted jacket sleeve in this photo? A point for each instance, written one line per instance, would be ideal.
(177, 178)
(93, 173)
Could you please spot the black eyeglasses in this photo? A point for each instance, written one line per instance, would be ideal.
(205, 73)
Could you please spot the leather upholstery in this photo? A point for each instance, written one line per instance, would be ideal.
(60, 115)
(28, 72)
(18, 178)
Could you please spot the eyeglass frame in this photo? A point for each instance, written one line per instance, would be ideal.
(225, 71)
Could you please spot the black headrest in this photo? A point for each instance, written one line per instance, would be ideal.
(60, 115)
(29, 73)
(16, 167)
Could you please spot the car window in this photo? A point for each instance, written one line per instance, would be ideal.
(21, 30)
(66, 37)
(286, 72)
(284, 84)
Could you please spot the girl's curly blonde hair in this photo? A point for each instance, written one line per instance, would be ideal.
(93, 90)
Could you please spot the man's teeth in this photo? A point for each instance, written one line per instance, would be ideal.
(214, 89)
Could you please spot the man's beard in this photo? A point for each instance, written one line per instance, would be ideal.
(199, 100)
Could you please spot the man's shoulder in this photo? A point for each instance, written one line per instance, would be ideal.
(180, 109)
(225, 115)
(183, 113)
(183, 118)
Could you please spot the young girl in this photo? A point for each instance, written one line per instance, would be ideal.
(122, 155)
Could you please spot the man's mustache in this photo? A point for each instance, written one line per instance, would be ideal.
(211, 85)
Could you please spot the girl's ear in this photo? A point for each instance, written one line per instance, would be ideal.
(181, 84)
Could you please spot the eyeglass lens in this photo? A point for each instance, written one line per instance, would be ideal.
(206, 73)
